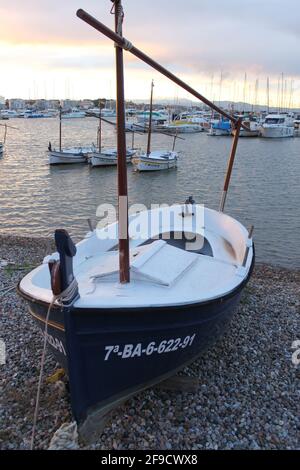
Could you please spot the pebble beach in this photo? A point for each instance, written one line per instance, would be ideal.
(249, 389)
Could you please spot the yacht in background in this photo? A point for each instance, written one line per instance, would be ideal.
(73, 114)
(8, 114)
(278, 126)
(220, 128)
(297, 125)
(181, 127)
(33, 114)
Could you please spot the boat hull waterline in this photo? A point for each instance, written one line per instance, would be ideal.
(108, 158)
(155, 161)
(69, 156)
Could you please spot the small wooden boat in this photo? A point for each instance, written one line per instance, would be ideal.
(133, 303)
(70, 155)
(155, 160)
(102, 156)
(108, 157)
(116, 339)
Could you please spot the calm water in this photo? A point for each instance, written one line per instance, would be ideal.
(265, 190)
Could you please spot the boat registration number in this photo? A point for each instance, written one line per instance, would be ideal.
(128, 351)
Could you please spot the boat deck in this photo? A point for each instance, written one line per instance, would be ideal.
(169, 271)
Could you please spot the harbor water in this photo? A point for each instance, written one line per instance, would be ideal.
(265, 191)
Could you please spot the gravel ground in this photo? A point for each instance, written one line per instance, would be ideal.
(248, 396)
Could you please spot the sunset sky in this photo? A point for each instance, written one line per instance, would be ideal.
(46, 51)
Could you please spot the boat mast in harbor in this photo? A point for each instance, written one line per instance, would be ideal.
(60, 117)
(122, 169)
(150, 120)
(100, 129)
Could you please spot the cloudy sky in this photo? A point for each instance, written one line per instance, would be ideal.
(45, 50)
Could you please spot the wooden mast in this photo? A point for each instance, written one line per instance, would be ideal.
(230, 164)
(60, 127)
(150, 120)
(100, 129)
(122, 169)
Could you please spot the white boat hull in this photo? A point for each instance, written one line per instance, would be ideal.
(218, 132)
(62, 158)
(277, 132)
(155, 161)
(108, 158)
(183, 129)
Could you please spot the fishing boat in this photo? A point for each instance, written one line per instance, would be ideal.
(102, 156)
(69, 155)
(154, 160)
(277, 126)
(108, 157)
(134, 302)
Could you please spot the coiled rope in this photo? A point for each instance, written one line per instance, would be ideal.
(64, 299)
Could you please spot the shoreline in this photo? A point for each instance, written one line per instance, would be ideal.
(248, 386)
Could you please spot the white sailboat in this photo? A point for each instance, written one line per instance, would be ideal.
(62, 156)
(155, 160)
(278, 125)
(106, 157)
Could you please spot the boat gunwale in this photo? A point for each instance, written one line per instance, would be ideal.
(112, 310)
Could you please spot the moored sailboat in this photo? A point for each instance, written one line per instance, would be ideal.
(106, 157)
(122, 312)
(70, 155)
(154, 160)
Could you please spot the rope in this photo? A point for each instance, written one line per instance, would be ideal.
(66, 296)
(127, 45)
(118, 10)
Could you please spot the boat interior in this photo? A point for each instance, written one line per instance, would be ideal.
(202, 248)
